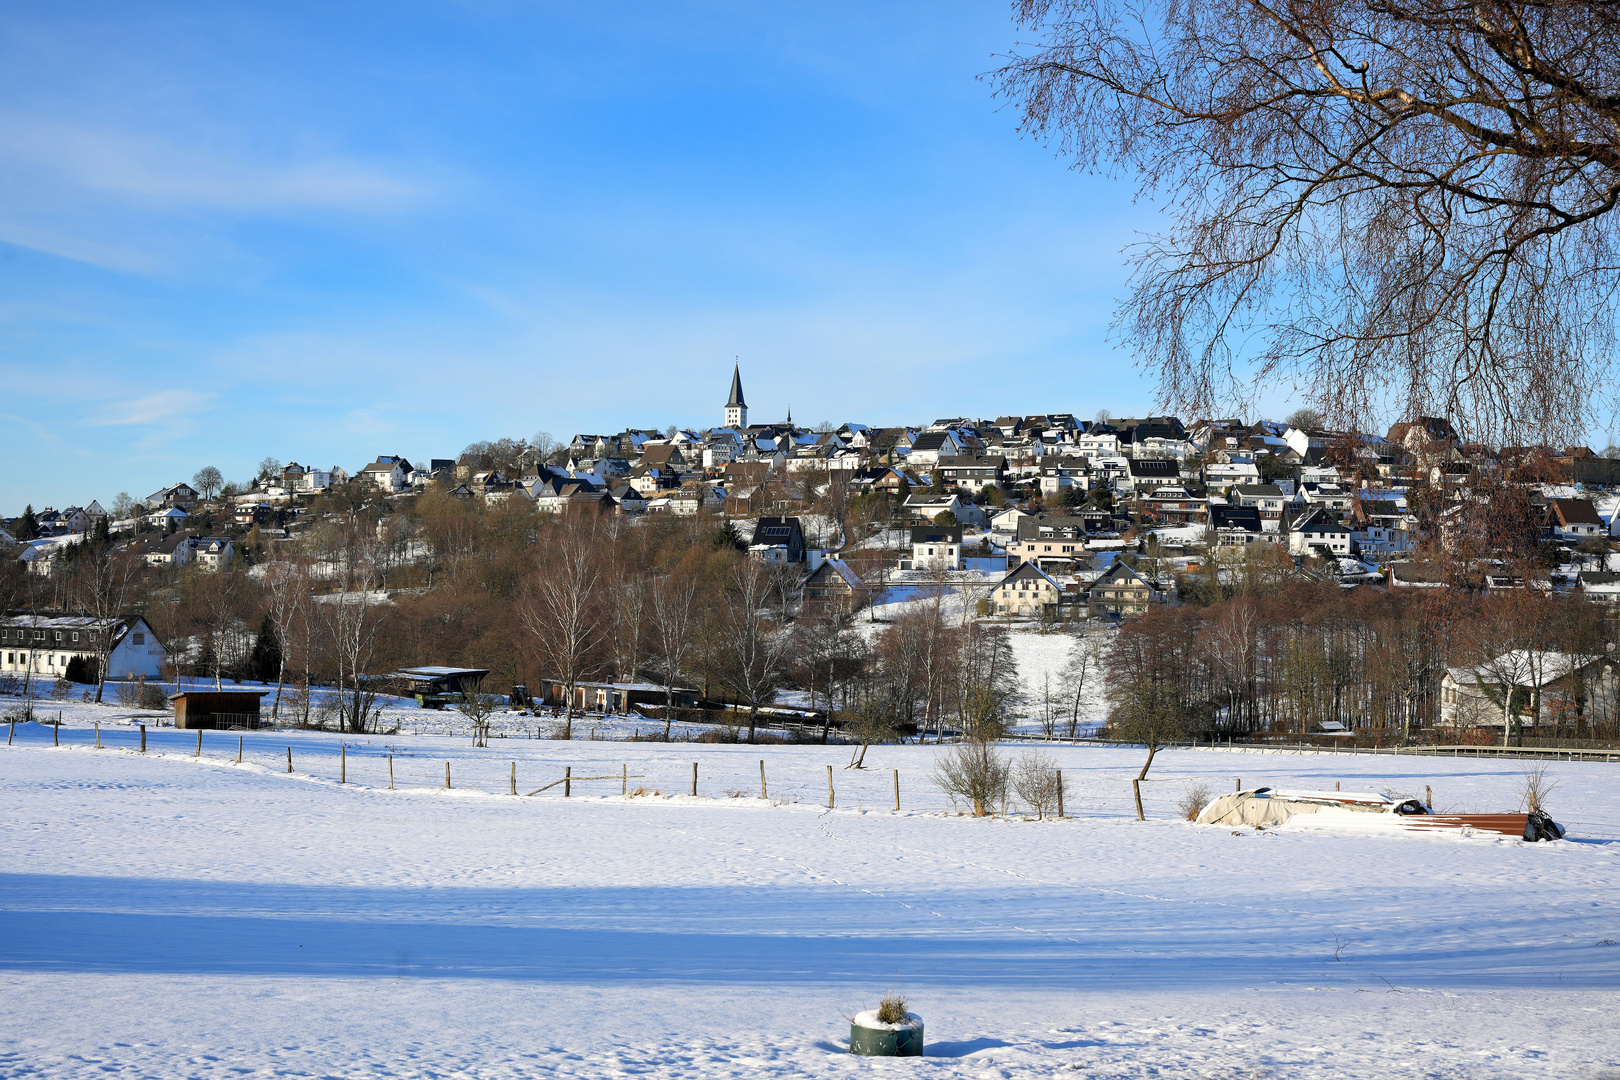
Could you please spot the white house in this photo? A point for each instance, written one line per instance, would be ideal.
(163, 518)
(1314, 532)
(215, 552)
(388, 473)
(46, 644)
(1028, 590)
(1266, 498)
(936, 547)
(1545, 685)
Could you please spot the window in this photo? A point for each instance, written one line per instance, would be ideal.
(140, 639)
(75, 635)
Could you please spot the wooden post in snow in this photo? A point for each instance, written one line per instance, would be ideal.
(98, 734)
(514, 778)
(143, 737)
(239, 739)
(289, 759)
(390, 772)
(56, 733)
(568, 781)
(447, 776)
(764, 792)
(343, 764)
(897, 789)
(1060, 792)
(694, 779)
(199, 744)
(13, 733)
(829, 788)
(624, 779)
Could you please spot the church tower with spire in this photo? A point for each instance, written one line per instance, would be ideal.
(736, 407)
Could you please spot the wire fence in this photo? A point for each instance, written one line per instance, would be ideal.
(540, 771)
(543, 770)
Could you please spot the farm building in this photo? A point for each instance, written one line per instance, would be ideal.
(237, 710)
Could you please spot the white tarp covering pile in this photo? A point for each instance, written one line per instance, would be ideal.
(1269, 806)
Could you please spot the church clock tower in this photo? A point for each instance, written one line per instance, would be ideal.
(736, 407)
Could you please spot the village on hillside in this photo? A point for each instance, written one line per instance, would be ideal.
(1043, 523)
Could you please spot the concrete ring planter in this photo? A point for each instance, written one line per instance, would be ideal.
(870, 1037)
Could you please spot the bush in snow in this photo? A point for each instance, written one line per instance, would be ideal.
(1035, 780)
(974, 773)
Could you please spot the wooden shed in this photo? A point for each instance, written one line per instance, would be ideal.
(233, 709)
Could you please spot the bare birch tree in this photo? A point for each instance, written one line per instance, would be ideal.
(1407, 205)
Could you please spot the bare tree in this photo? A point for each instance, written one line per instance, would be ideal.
(563, 609)
(123, 507)
(1403, 202)
(352, 617)
(748, 646)
(106, 579)
(673, 603)
(208, 481)
(287, 599)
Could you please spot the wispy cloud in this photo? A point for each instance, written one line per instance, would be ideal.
(165, 408)
(153, 169)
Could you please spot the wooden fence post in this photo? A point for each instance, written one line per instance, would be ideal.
(624, 780)
(1237, 783)
(199, 744)
(1335, 785)
(897, 789)
(514, 778)
(390, 772)
(447, 776)
(13, 733)
(289, 759)
(568, 781)
(829, 788)
(239, 739)
(143, 738)
(56, 732)
(764, 792)
(343, 764)
(98, 734)
(1060, 792)
(694, 779)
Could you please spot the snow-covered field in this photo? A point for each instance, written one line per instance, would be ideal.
(170, 916)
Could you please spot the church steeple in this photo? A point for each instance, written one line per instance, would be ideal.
(736, 407)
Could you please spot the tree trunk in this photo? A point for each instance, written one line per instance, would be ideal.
(1136, 785)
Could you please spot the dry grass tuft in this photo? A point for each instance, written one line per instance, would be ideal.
(892, 1009)
(1193, 801)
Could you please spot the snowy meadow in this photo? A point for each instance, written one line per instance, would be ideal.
(183, 915)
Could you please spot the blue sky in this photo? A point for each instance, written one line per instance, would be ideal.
(327, 231)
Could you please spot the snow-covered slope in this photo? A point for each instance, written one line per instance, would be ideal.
(167, 916)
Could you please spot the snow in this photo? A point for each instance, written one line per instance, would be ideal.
(869, 1019)
(176, 916)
